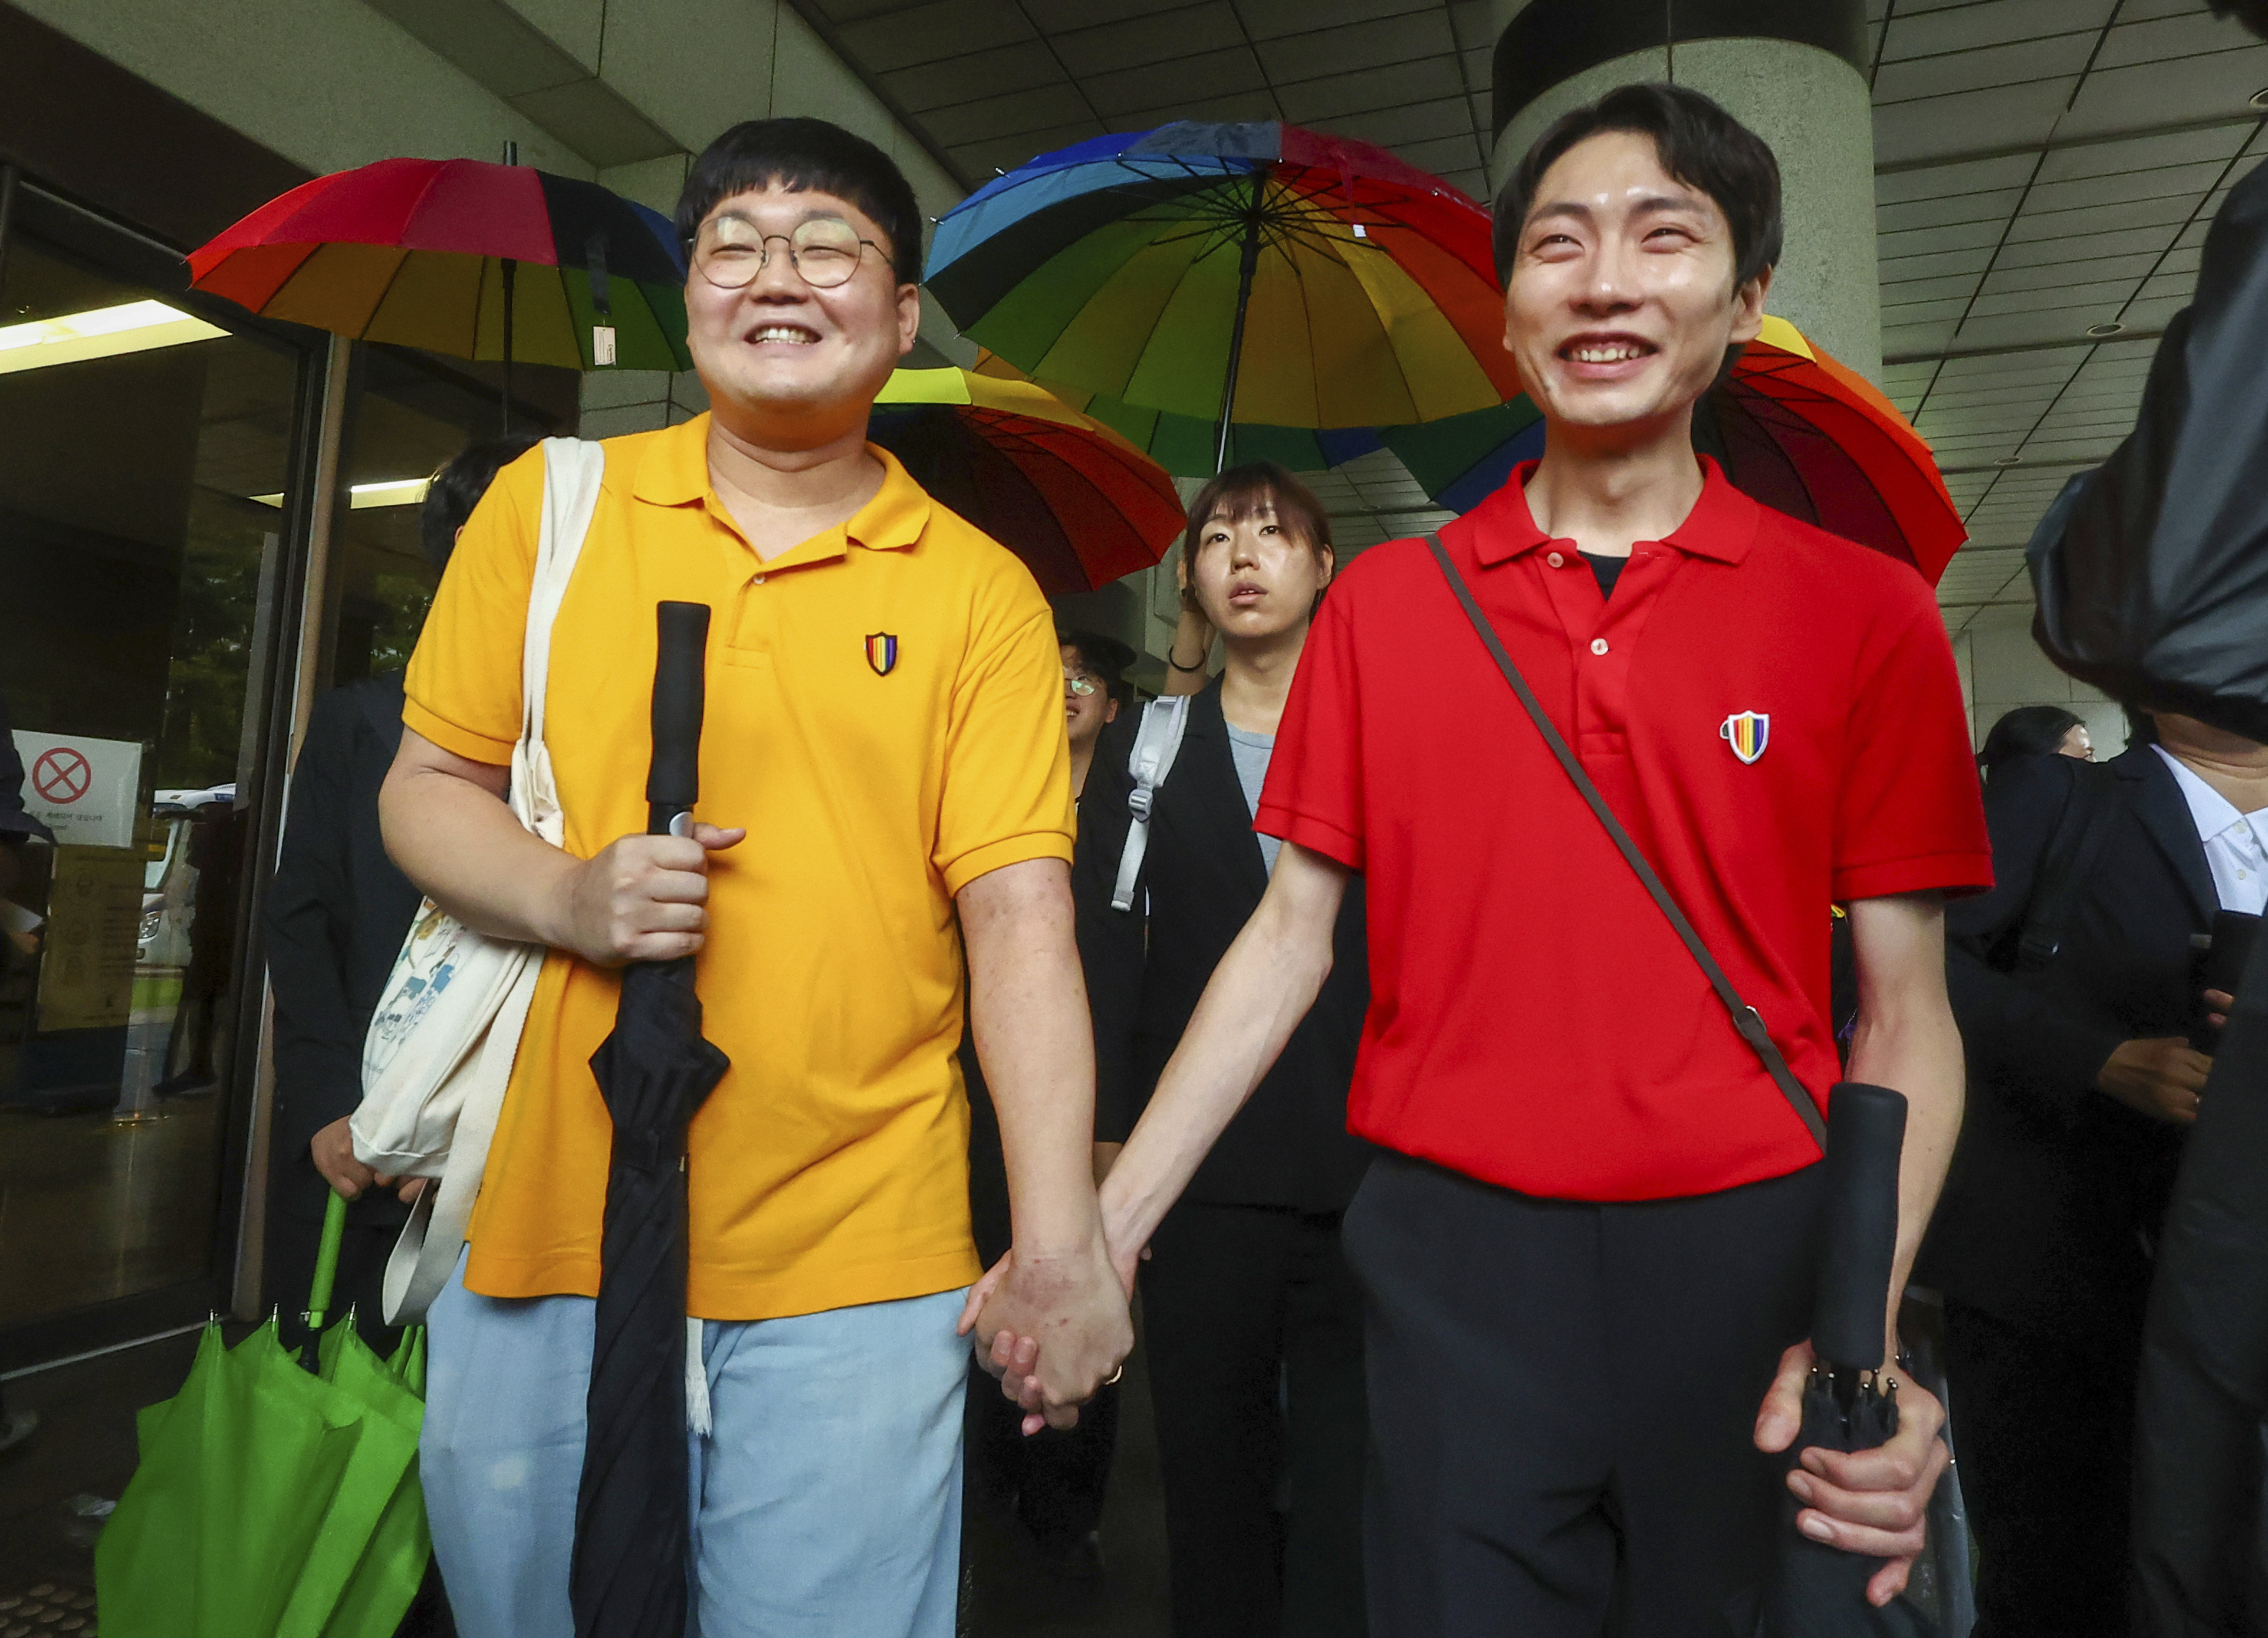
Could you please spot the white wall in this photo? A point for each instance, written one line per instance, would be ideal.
(2002, 668)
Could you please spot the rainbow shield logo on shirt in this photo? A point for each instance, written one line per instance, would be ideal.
(1747, 733)
(881, 652)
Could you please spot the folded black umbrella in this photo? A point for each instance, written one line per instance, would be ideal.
(629, 1575)
(1816, 1590)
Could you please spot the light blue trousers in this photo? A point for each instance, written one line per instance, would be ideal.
(826, 1497)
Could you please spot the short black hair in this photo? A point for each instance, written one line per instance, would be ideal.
(1106, 657)
(2028, 730)
(1241, 491)
(1696, 141)
(806, 156)
(453, 491)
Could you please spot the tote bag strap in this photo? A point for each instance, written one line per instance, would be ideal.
(426, 1253)
(573, 472)
(422, 1259)
(1746, 1020)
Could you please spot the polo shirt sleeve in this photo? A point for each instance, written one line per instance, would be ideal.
(1909, 815)
(463, 686)
(1312, 796)
(1007, 764)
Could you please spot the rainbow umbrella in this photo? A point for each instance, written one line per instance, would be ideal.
(1188, 447)
(1252, 273)
(1791, 426)
(484, 262)
(1076, 502)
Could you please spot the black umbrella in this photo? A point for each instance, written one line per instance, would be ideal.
(628, 1578)
(1816, 1590)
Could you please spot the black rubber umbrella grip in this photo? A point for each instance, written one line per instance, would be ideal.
(1858, 1229)
(673, 785)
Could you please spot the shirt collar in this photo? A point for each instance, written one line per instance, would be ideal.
(1721, 525)
(675, 473)
(2210, 812)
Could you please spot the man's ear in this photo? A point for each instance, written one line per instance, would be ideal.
(1748, 307)
(1110, 710)
(908, 318)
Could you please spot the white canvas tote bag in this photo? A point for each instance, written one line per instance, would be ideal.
(439, 1053)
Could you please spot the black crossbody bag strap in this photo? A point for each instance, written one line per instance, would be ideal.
(1745, 1017)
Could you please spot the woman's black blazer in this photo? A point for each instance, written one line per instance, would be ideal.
(1202, 878)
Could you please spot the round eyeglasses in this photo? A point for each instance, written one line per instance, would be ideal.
(1083, 687)
(729, 251)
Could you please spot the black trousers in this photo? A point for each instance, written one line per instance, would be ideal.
(1054, 1481)
(1564, 1400)
(2045, 1425)
(1254, 1329)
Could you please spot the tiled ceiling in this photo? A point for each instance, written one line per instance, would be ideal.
(2043, 166)
(993, 82)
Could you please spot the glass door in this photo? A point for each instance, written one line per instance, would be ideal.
(144, 454)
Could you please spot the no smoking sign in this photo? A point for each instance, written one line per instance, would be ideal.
(62, 776)
(87, 790)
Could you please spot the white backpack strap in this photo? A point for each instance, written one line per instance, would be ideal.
(574, 470)
(1155, 746)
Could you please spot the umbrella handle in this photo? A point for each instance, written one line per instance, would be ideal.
(681, 663)
(1858, 1224)
(327, 1260)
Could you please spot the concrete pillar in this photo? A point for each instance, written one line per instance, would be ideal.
(1790, 71)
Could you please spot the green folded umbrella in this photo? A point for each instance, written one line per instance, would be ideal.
(272, 1499)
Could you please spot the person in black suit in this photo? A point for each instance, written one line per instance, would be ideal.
(1251, 1318)
(337, 911)
(2082, 1083)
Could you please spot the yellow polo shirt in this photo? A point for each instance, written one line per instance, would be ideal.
(884, 714)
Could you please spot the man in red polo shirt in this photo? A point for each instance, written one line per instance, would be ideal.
(1587, 1252)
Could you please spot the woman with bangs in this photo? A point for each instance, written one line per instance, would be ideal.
(1253, 1323)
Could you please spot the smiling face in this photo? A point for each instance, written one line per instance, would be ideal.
(1255, 576)
(1085, 714)
(1620, 302)
(797, 366)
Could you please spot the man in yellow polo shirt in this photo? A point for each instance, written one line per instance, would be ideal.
(884, 777)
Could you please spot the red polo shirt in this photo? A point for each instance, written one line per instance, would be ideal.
(1534, 1021)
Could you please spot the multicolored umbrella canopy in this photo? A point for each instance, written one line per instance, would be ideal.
(1076, 502)
(484, 262)
(1188, 447)
(1254, 274)
(1792, 427)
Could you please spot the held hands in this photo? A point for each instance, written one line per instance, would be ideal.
(2162, 1078)
(1053, 1328)
(332, 1150)
(641, 899)
(1871, 1502)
